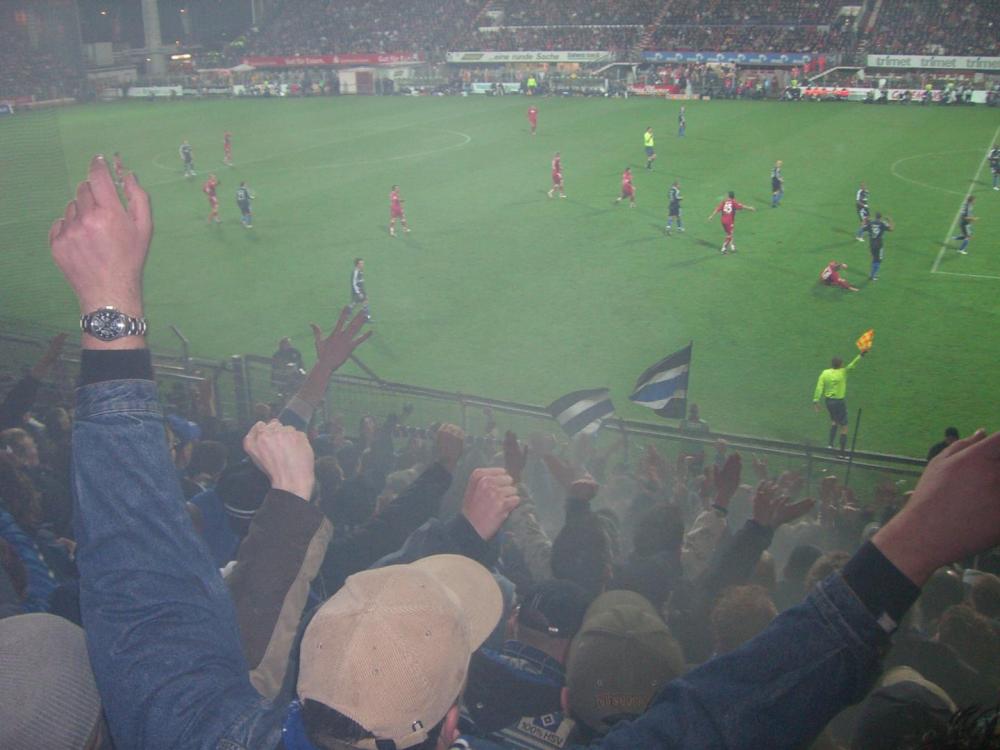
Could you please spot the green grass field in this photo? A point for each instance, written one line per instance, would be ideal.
(501, 292)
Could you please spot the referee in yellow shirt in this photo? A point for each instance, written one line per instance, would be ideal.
(647, 141)
(832, 386)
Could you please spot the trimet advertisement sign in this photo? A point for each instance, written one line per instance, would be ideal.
(528, 57)
(934, 62)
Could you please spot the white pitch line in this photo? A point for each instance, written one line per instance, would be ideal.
(970, 275)
(893, 169)
(972, 185)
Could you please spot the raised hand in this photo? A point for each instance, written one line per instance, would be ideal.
(335, 349)
(101, 246)
(727, 480)
(49, 358)
(791, 483)
(954, 511)
(284, 455)
(584, 489)
(760, 467)
(514, 457)
(561, 471)
(772, 509)
(490, 496)
(449, 442)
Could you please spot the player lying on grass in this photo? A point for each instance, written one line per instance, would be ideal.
(831, 276)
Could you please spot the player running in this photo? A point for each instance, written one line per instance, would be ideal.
(675, 207)
(396, 212)
(995, 165)
(728, 208)
(557, 178)
(227, 148)
(965, 219)
(209, 188)
(243, 198)
(861, 206)
(777, 185)
(831, 276)
(119, 170)
(681, 123)
(187, 156)
(628, 189)
(647, 141)
(876, 232)
(533, 118)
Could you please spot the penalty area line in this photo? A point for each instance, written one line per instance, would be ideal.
(954, 222)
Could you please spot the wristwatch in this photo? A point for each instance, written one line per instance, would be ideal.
(108, 324)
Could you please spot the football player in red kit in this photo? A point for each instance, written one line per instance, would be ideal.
(227, 148)
(557, 180)
(728, 209)
(831, 276)
(209, 189)
(396, 211)
(533, 118)
(628, 189)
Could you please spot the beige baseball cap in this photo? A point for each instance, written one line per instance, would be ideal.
(391, 649)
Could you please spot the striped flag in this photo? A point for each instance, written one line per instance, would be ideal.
(866, 341)
(582, 411)
(663, 387)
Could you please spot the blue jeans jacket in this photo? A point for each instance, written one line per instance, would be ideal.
(161, 628)
(165, 648)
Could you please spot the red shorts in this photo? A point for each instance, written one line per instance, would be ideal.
(628, 192)
(228, 149)
(533, 120)
(213, 201)
(395, 213)
(728, 228)
(557, 178)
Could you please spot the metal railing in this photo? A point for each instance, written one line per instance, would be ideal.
(229, 389)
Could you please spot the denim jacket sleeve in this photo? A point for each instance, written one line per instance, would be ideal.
(161, 629)
(778, 691)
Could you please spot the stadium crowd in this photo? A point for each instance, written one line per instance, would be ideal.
(403, 586)
(941, 27)
(308, 28)
(26, 70)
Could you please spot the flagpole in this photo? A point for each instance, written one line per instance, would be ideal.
(850, 456)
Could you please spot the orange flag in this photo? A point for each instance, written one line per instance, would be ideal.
(867, 339)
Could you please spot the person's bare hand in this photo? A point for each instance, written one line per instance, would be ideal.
(514, 457)
(815, 406)
(335, 349)
(828, 490)
(449, 442)
(561, 471)
(284, 455)
(760, 467)
(772, 509)
(954, 511)
(490, 496)
(727, 480)
(584, 489)
(52, 352)
(791, 483)
(101, 246)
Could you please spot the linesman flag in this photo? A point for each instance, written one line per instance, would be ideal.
(663, 387)
(582, 411)
(867, 339)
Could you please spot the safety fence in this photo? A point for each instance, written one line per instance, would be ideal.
(228, 390)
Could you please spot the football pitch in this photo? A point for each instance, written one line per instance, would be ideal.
(502, 292)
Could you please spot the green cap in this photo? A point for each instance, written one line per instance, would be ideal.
(622, 655)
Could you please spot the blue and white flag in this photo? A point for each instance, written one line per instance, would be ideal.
(582, 411)
(663, 387)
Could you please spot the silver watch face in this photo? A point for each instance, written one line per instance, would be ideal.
(108, 325)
